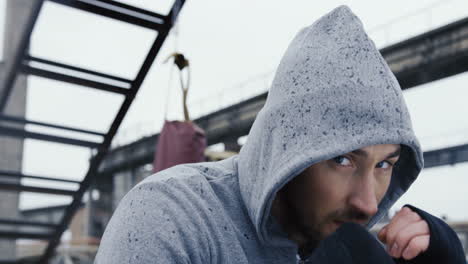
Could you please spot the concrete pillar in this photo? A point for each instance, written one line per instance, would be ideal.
(100, 207)
(11, 149)
(231, 145)
(123, 182)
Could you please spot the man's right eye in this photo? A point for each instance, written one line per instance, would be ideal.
(342, 160)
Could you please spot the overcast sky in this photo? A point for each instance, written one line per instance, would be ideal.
(234, 48)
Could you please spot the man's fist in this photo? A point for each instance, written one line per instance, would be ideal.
(406, 236)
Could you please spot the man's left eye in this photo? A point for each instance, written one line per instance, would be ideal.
(384, 165)
(342, 160)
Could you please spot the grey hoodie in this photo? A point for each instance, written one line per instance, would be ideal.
(332, 93)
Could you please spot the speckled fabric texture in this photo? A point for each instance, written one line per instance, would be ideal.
(332, 93)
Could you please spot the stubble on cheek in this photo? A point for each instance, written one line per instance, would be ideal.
(319, 227)
(314, 229)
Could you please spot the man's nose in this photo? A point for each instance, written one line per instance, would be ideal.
(363, 197)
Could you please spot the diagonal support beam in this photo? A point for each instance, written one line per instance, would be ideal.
(96, 161)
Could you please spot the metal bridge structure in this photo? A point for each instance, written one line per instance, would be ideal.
(22, 64)
(431, 56)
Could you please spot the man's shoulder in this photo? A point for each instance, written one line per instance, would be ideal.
(180, 198)
(170, 213)
(188, 184)
(189, 175)
(177, 215)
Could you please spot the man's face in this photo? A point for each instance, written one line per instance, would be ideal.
(347, 188)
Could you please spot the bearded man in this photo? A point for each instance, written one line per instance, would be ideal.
(327, 156)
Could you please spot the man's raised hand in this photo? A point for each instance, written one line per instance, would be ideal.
(406, 236)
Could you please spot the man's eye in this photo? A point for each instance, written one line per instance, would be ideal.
(342, 160)
(384, 164)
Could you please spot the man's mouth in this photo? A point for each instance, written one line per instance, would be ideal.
(338, 222)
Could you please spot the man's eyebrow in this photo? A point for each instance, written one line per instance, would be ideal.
(360, 152)
(394, 154)
(363, 153)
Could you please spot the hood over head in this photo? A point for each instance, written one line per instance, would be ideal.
(332, 93)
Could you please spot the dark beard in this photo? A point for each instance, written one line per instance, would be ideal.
(309, 247)
(312, 232)
(296, 221)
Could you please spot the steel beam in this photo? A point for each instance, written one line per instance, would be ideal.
(431, 56)
(11, 262)
(25, 260)
(77, 69)
(96, 161)
(135, 9)
(20, 133)
(119, 12)
(75, 80)
(26, 188)
(12, 174)
(20, 222)
(131, 156)
(13, 69)
(25, 235)
(19, 261)
(20, 120)
(446, 156)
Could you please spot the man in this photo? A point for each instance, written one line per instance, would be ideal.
(327, 156)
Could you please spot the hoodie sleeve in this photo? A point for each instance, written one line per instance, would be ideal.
(150, 226)
(444, 245)
(350, 244)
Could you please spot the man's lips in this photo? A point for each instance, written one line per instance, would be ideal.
(340, 222)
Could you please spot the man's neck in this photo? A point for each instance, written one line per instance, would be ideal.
(281, 213)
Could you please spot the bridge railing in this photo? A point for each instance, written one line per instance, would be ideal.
(386, 34)
(414, 22)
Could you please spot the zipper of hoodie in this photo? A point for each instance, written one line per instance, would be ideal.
(306, 260)
(300, 260)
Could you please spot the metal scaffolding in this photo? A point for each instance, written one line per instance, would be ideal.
(22, 63)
